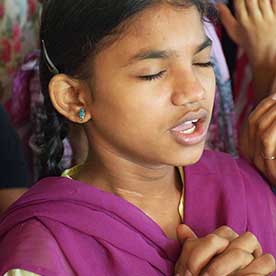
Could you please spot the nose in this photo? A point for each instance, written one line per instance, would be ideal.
(187, 89)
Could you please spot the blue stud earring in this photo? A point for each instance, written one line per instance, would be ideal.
(82, 114)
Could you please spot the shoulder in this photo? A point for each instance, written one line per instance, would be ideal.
(30, 246)
(236, 174)
(251, 195)
(223, 164)
(214, 162)
(261, 207)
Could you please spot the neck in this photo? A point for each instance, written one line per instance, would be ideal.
(154, 189)
(126, 178)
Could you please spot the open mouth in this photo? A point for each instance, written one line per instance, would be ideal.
(189, 127)
(191, 131)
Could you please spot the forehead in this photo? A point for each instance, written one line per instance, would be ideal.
(160, 27)
(162, 16)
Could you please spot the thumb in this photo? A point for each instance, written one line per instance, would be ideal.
(184, 232)
(273, 89)
(229, 22)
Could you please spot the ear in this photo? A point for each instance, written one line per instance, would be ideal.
(69, 96)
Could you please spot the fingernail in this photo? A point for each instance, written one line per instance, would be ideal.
(205, 274)
(188, 273)
(273, 97)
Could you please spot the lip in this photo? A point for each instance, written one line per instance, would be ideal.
(192, 115)
(200, 132)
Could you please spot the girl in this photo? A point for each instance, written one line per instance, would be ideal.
(137, 75)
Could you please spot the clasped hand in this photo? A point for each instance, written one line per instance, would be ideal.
(220, 253)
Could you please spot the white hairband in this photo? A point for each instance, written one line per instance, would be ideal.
(50, 64)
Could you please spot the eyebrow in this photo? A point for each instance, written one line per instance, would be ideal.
(155, 54)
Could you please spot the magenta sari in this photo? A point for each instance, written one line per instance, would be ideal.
(64, 227)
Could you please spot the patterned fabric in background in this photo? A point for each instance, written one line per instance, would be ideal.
(243, 88)
(222, 135)
(27, 112)
(18, 36)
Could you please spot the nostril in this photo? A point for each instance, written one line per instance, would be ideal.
(187, 97)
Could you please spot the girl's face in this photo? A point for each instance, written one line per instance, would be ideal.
(153, 89)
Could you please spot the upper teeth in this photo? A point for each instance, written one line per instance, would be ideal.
(192, 121)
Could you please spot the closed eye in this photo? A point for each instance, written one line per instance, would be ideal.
(153, 77)
(205, 64)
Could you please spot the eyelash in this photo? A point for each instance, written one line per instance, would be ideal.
(160, 74)
(207, 64)
(153, 77)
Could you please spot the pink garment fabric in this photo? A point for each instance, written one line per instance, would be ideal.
(65, 227)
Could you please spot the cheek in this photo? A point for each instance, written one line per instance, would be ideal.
(207, 80)
(212, 86)
(128, 107)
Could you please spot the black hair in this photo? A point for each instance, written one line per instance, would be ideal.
(72, 31)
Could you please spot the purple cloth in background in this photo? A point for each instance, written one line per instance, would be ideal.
(65, 227)
(222, 133)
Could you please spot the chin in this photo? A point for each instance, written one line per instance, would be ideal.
(190, 156)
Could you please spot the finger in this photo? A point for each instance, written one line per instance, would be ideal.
(226, 233)
(241, 11)
(269, 139)
(253, 10)
(261, 138)
(256, 146)
(273, 4)
(273, 86)
(197, 259)
(262, 107)
(266, 8)
(258, 159)
(184, 232)
(245, 145)
(266, 118)
(264, 139)
(254, 117)
(263, 265)
(229, 263)
(229, 22)
(269, 150)
(247, 242)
